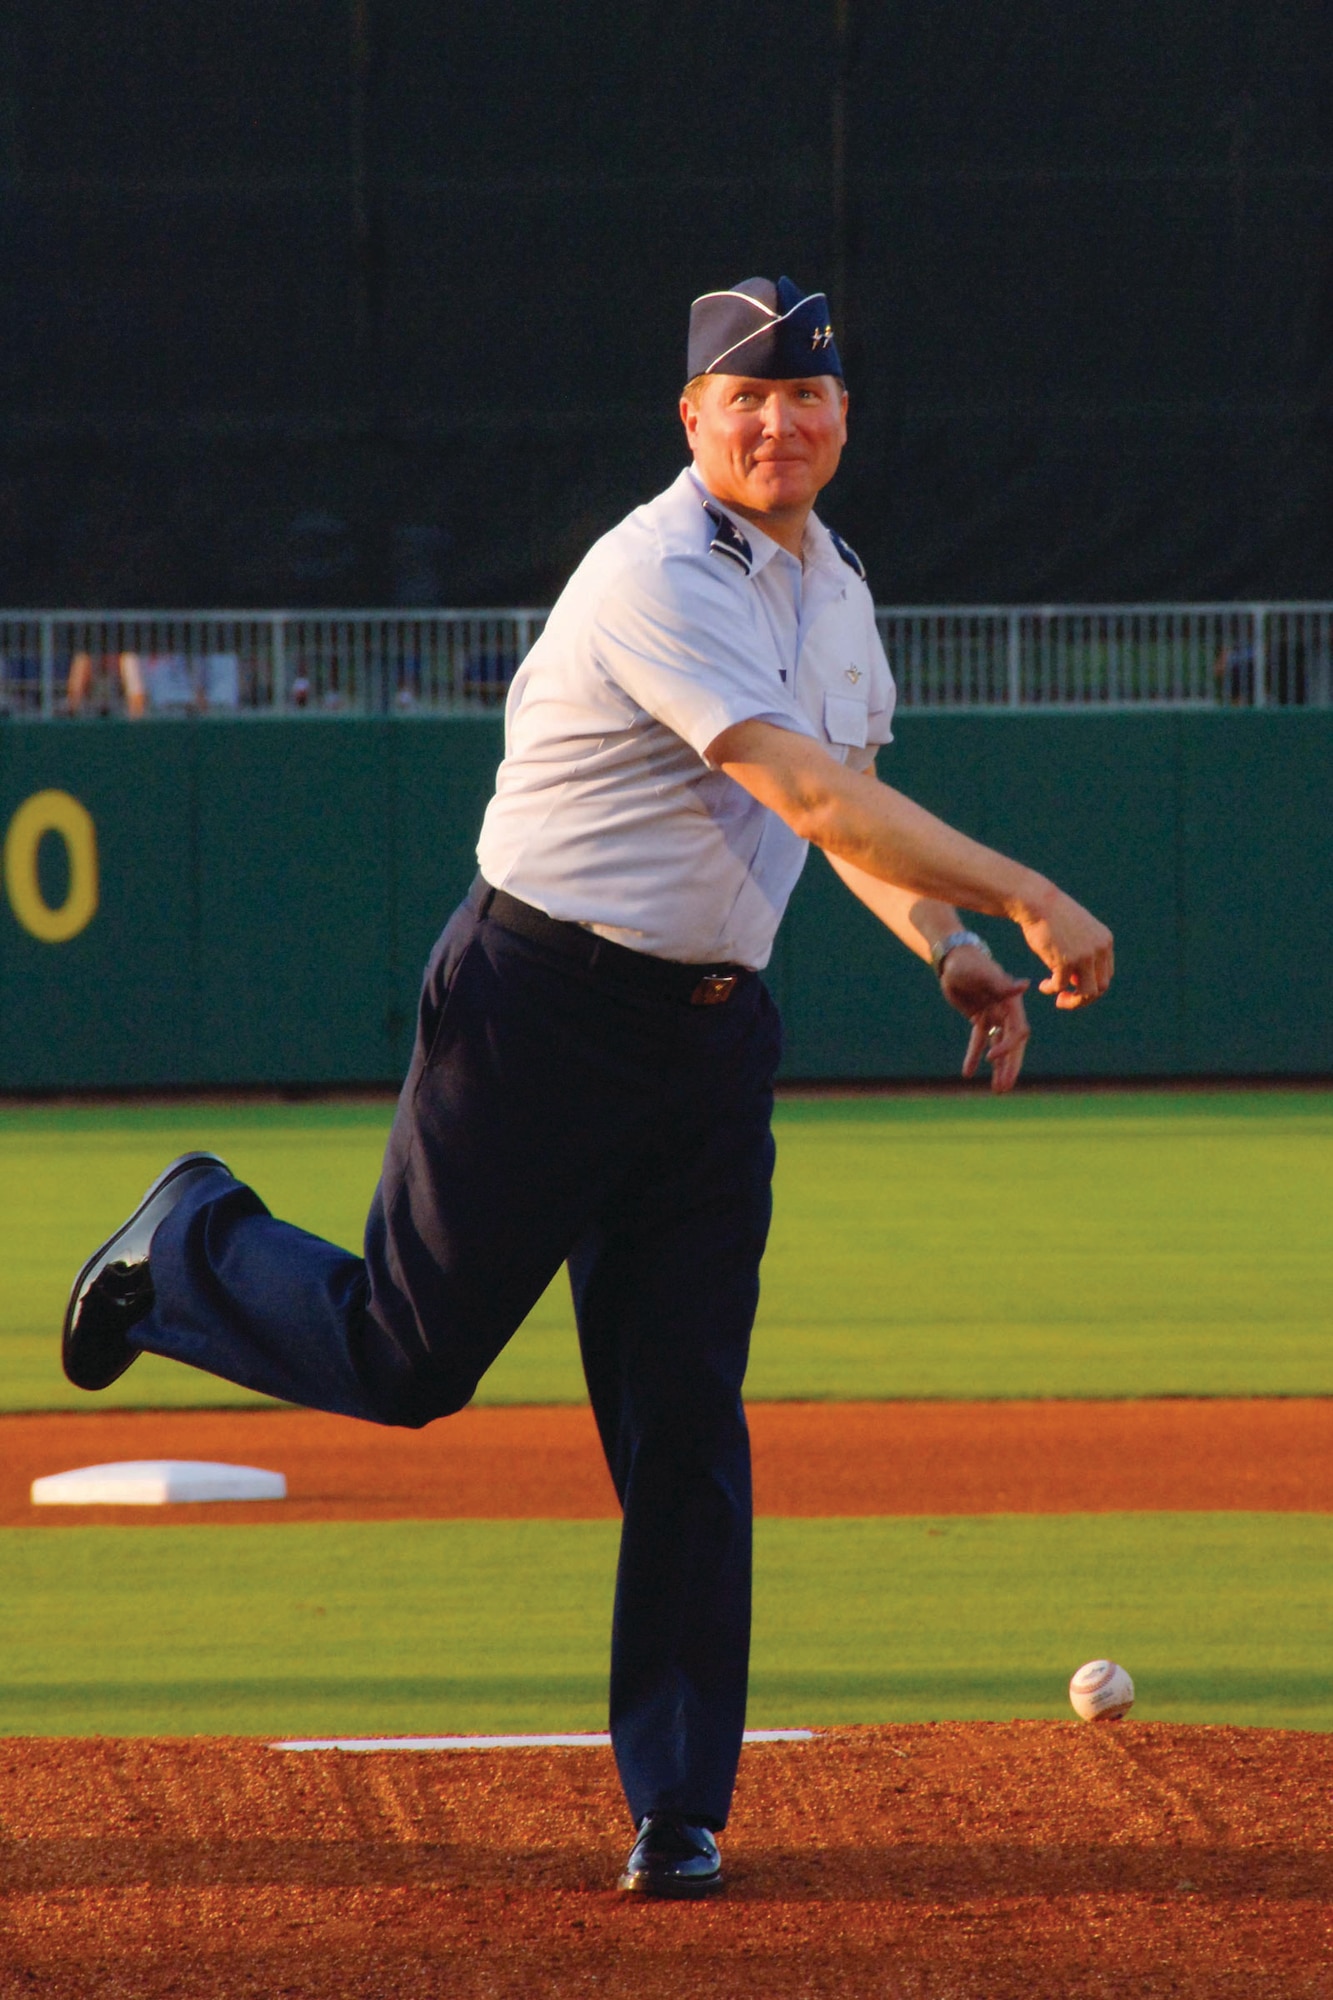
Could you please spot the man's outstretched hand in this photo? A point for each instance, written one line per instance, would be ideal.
(1080, 954)
(993, 1003)
(1078, 950)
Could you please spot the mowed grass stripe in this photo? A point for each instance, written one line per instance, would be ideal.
(1144, 1243)
(437, 1627)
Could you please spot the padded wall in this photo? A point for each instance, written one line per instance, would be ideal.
(267, 893)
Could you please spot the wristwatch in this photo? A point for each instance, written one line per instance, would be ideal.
(941, 949)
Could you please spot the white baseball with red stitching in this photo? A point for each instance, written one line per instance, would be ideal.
(1101, 1691)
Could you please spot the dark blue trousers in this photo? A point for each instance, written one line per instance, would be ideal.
(552, 1113)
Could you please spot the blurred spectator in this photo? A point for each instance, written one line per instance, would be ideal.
(220, 680)
(96, 680)
(178, 684)
(489, 665)
(20, 684)
(1234, 673)
(167, 684)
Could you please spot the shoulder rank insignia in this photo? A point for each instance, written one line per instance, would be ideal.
(849, 556)
(728, 540)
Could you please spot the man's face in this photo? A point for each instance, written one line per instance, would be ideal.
(767, 447)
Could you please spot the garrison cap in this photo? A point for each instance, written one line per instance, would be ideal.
(776, 332)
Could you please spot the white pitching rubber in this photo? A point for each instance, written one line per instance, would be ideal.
(156, 1482)
(576, 1742)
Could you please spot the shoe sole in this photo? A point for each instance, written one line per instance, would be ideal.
(183, 1165)
(673, 1892)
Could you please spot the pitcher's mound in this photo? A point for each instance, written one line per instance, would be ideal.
(954, 1861)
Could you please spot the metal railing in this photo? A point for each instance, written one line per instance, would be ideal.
(1111, 656)
(55, 663)
(946, 658)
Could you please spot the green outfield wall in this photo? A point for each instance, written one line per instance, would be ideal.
(251, 901)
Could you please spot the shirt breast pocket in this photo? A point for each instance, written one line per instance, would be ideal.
(846, 718)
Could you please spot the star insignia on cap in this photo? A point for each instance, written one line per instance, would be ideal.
(854, 674)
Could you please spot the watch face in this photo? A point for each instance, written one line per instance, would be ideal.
(940, 951)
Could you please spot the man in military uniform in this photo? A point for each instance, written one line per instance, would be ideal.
(592, 1077)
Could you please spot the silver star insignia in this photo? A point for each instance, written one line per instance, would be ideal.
(853, 675)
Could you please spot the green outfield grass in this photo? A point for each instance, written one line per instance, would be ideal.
(1094, 1244)
(435, 1627)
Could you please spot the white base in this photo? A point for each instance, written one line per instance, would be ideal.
(156, 1482)
(502, 1742)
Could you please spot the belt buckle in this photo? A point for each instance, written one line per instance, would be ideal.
(714, 989)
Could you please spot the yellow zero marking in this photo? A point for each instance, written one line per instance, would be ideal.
(60, 813)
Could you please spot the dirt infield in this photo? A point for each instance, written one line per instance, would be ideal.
(1027, 1861)
(810, 1459)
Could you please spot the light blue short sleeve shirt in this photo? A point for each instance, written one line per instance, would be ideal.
(680, 622)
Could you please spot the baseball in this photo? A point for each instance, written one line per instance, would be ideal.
(1101, 1692)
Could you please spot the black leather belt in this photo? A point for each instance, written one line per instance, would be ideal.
(664, 978)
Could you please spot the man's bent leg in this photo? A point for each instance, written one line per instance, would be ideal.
(517, 1111)
(665, 1287)
(272, 1307)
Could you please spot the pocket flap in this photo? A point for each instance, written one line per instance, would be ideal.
(845, 720)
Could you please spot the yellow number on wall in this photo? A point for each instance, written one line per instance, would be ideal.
(52, 812)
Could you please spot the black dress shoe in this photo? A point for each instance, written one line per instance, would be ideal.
(672, 1857)
(114, 1290)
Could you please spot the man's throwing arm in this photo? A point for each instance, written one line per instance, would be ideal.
(881, 833)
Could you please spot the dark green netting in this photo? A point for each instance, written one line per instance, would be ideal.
(382, 300)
